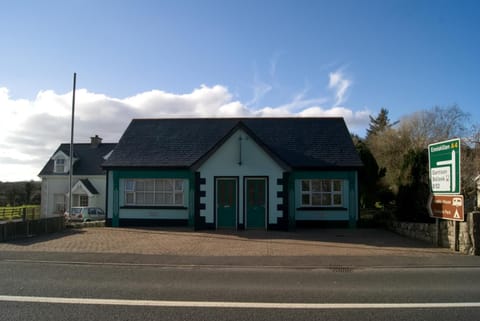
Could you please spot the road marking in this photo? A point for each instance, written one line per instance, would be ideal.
(237, 305)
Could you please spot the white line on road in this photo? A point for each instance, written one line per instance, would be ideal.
(238, 305)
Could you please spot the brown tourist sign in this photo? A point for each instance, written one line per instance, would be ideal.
(448, 207)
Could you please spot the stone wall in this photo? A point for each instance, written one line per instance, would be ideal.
(468, 233)
(12, 230)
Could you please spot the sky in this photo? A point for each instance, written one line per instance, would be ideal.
(213, 58)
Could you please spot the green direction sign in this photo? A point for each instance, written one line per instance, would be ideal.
(444, 159)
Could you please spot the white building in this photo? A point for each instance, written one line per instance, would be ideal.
(88, 179)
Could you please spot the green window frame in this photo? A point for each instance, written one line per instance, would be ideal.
(154, 192)
(321, 192)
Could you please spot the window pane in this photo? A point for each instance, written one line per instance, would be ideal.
(159, 198)
(159, 185)
(129, 198)
(326, 199)
(140, 198)
(337, 199)
(149, 185)
(305, 186)
(178, 198)
(178, 185)
(337, 185)
(326, 185)
(317, 199)
(149, 199)
(130, 185)
(140, 185)
(316, 185)
(305, 199)
(83, 200)
(168, 185)
(168, 198)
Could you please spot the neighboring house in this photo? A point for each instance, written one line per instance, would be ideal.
(235, 173)
(88, 178)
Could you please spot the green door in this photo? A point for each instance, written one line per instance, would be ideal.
(226, 202)
(256, 202)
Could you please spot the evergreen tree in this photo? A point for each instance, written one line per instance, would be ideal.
(378, 124)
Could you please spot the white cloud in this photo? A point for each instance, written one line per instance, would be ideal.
(31, 130)
(340, 84)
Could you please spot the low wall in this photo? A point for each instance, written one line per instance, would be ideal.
(468, 233)
(12, 230)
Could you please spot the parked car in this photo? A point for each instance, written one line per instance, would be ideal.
(85, 214)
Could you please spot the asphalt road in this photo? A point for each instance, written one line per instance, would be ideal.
(42, 290)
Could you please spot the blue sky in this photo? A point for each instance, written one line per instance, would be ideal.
(225, 58)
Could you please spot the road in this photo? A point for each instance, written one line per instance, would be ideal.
(63, 290)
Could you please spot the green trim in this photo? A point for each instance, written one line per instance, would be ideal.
(116, 200)
(351, 202)
(291, 202)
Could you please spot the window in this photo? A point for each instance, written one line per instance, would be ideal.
(322, 192)
(59, 165)
(83, 200)
(59, 203)
(154, 192)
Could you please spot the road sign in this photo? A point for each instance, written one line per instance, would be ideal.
(448, 207)
(444, 161)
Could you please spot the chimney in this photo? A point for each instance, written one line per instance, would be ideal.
(95, 141)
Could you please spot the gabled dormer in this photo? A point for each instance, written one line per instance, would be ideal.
(61, 162)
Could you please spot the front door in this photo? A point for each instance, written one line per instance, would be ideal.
(256, 202)
(226, 202)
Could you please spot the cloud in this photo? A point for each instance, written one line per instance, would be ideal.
(31, 130)
(340, 84)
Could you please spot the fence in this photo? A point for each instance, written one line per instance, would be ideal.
(24, 221)
(25, 213)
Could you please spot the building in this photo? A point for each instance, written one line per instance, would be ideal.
(234, 173)
(88, 179)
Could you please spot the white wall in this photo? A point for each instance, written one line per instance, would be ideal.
(254, 162)
(52, 185)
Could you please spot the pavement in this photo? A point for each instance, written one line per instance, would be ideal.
(310, 248)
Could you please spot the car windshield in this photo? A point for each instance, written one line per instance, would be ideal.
(76, 210)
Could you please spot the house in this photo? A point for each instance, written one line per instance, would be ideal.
(234, 173)
(88, 177)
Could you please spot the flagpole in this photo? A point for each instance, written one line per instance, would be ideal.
(71, 145)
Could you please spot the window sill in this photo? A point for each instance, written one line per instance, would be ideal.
(321, 208)
(145, 207)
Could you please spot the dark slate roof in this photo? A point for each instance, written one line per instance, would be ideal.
(186, 143)
(89, 186)
(89, 161)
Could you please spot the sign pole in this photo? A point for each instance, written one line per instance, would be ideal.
(437, 234)
(456, 227)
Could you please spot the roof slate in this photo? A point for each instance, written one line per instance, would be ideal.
(181, 143)
(89, 161)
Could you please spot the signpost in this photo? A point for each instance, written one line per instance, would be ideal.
(448, 207)
(445, 201)
(444, 159)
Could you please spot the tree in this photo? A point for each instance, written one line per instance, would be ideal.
(413, 189)
(401, 150)
(378, 124)
(369, 176)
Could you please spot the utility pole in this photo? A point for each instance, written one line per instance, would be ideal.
(71, 146)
